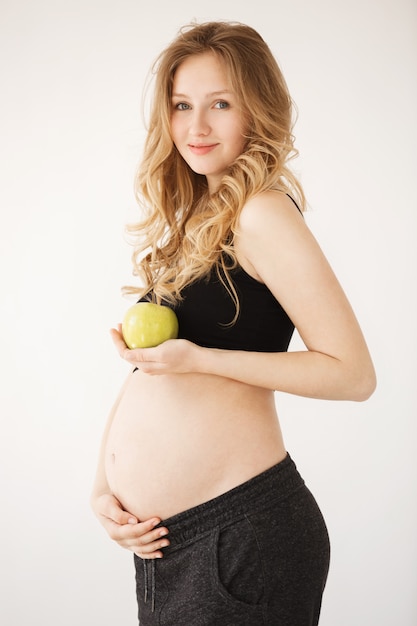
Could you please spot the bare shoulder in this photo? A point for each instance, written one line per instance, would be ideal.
(266, 220)
(268, 208)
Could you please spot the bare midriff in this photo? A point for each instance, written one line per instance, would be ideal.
(177, 441)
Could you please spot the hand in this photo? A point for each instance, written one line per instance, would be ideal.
(175, 356)
(142, 538)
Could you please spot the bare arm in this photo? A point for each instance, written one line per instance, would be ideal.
(276, 247)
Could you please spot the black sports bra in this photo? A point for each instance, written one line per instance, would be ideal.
(205, 313)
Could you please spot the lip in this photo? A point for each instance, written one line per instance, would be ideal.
(201, 148)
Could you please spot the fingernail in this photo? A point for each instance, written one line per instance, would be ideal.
(162, 533)
(131, 520)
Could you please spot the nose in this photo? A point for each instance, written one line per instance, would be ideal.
(199, 124)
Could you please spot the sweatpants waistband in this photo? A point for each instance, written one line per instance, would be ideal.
(257, 493)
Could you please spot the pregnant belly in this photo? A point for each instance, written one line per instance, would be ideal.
(176, 442)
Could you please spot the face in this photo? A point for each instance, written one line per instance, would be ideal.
(207, 124)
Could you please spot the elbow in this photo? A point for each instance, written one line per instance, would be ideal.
(364, 385)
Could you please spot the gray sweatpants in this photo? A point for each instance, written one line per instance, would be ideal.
(256, 555)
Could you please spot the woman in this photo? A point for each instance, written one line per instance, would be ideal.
(193, 469)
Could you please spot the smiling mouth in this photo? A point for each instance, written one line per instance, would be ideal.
(201, 148)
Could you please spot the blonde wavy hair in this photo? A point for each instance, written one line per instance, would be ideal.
(186, 232)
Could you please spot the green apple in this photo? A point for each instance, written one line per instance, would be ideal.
(146, 325)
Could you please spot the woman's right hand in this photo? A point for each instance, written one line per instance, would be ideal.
(142, 538)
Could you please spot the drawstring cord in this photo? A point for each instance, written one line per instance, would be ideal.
(146, 564)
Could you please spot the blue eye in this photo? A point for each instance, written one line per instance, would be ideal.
(182, 106)
(222, 104)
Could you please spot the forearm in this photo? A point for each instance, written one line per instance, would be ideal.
(306, 373)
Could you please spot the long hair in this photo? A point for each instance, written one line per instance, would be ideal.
(186, 232)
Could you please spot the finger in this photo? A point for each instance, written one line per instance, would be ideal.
(152, 555)
(138, 535)
(151, 551)
(154, 536)
(117, 332)
(150, 548)
(122, 517)
(113, 511)
(133, 356)
(117, 339)
(142, 546)
(141, 534)
(141, 542)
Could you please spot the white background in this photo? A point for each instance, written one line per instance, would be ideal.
(71, 132)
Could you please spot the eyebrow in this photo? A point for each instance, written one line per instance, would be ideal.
(208, 95)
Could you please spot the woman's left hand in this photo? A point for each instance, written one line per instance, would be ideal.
(175, 356)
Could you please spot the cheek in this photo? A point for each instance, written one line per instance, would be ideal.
(239, 143)
(173, 132)
(175, 129)
(238, 136)
(243, 142)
